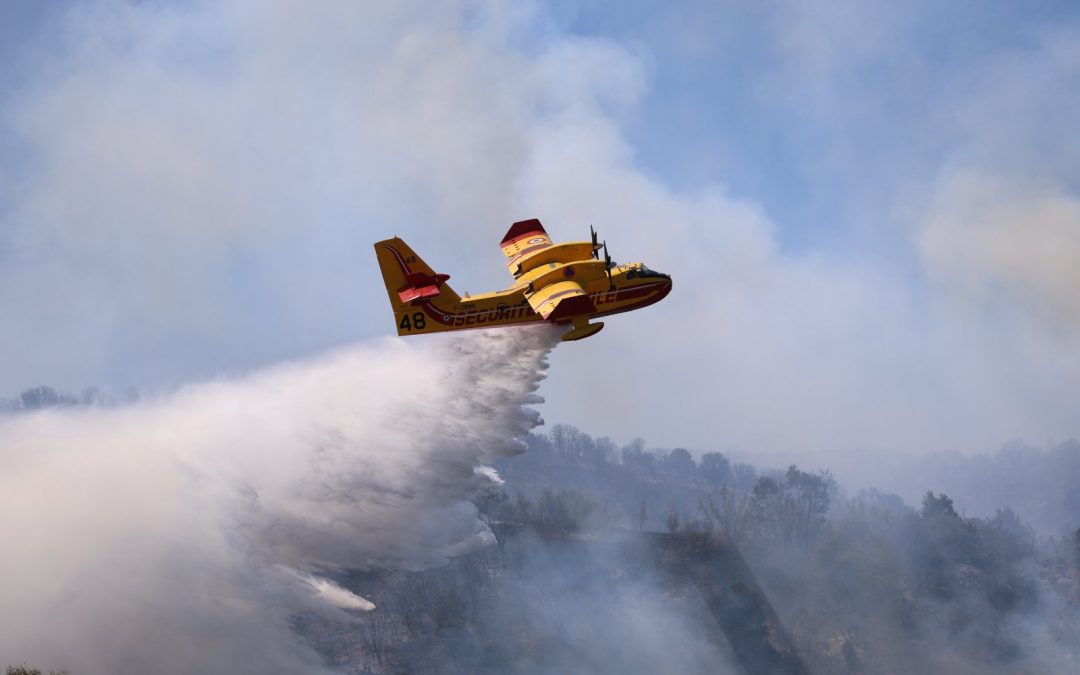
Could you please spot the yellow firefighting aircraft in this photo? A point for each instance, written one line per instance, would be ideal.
(560, 283)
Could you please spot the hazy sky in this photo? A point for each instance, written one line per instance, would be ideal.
(871, 210)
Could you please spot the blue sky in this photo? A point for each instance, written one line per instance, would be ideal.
(870, 209)
(732, 99)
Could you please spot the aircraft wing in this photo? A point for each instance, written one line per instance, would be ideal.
(524, 238)
(527, 246)
(561, 300)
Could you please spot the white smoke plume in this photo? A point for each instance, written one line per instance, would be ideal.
(179, 535)
(994, 241)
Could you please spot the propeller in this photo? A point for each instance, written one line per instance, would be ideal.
(607, 265)
(595, 246)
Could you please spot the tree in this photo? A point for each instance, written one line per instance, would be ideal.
(810, 493)
(1006, 539)
(560, 513)
(541, 451)
(715, 469)
(30, 670)
(43, 397)
(571, 445)
(763, 518)
(636, 447)
(728, 511)
(498, 512)
(93, 396)
(600, 453)
(638, 460)
(743, 476)
(939, 506)
(705, 521)
(679, 464)
(950, 540)
(673, 520)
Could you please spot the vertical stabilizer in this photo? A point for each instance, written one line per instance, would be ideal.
(408, 278)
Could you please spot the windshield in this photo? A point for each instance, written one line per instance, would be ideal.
(644, 271)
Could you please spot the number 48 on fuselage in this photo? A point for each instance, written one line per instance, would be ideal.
(566, 283)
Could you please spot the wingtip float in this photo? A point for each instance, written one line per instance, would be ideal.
(567, 284)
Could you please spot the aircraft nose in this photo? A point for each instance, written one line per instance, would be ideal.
(666, 288)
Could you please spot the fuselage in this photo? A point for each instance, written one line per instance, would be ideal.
(631, 286)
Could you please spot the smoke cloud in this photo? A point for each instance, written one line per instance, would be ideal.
(996, 241)
(178, 535)
(196, 188)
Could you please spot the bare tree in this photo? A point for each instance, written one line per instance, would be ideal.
(673, 520)
(499, 513)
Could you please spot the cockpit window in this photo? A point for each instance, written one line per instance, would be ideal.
(644, 271)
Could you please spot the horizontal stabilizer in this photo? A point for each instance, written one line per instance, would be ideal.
(422, 286)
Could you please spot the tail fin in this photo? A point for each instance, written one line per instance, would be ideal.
(408, 278)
